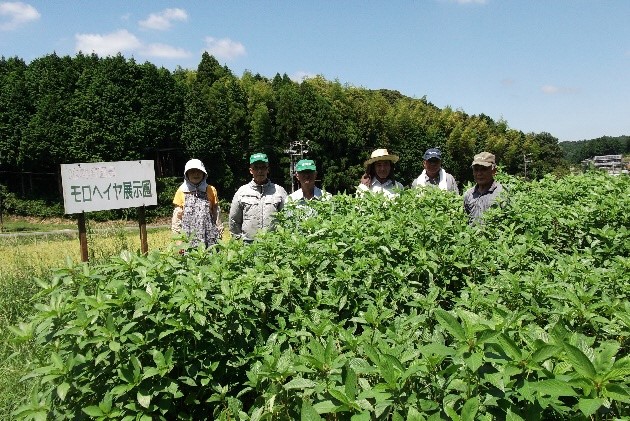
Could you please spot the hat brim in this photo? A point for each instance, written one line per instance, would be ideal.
(483, 164)
(392, 158)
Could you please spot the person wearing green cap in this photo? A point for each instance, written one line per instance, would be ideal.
(255, 203)
(306, 174)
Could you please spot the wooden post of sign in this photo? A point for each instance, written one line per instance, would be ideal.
(83, 237)
(144, 246)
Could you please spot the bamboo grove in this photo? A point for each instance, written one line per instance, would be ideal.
(87, 108)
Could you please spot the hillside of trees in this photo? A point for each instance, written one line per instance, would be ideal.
(576, 152)
(86, 108)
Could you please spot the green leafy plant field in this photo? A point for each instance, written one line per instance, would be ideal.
(357, 308)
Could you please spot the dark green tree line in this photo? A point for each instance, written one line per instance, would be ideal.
(87, 109)
(576, 152)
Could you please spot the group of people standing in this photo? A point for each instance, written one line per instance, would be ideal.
(254, 204)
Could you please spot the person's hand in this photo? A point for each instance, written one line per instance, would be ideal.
(365, 180)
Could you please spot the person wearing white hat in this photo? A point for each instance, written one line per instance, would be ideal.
(196, 212)
(379, 174)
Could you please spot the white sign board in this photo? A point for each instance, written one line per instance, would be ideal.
(108, 185)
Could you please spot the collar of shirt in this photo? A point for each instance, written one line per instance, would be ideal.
(435, 180)
(387, 183)
(493, 186)
(299, 194)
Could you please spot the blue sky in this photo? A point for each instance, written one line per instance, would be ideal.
(558, 66)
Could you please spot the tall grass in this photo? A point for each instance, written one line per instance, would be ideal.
(22, 261)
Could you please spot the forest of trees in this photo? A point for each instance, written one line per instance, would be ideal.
(576, 152)
(87, 108)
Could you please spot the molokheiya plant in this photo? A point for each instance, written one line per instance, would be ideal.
(355, 308)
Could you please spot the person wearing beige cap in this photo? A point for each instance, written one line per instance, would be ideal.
(486, 191)
(379, 174)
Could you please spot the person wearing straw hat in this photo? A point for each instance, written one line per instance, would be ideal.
(379, 174)
(255, 203)
(433, 173)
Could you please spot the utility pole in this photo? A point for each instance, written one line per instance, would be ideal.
(296, 152)
(526, 160)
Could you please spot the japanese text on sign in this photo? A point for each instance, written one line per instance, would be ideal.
(108, 185)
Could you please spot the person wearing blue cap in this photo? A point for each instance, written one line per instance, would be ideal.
(433, 173)
(255, 203)
(306, 174)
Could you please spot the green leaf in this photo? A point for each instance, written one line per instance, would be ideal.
(62, 390)
(300, 383)
(325, 407)
(580, 361)
(340, 396)
(509, 347)
(552, 387)
(474, 361)
(452, 414)
(470, 409)
(544, 352)
(158, 358)
(350, 382)
(450, 323)
(590, 406)
(372, 354)
(257, 413)
(414, 415)
(114, 346)
(126, 374)
(308, 413)
(363, 416)
(617, 392)
(106, 403)
(436, 349)
(511, 416)
(93, 411)
(143, 399)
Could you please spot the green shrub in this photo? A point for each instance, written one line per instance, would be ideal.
(357, 308)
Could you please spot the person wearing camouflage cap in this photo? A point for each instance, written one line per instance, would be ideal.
(486, 191)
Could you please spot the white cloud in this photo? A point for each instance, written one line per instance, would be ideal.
(300, 75)
(16, 13)
(557, 90)
(508, 82)
(224, 48)
(164, 20)
(123, 41)
(164, 51)
(108, 44)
